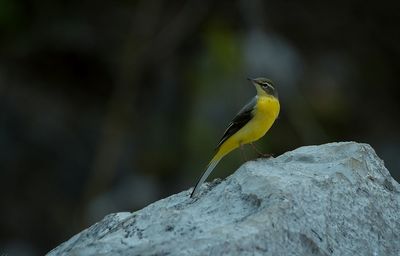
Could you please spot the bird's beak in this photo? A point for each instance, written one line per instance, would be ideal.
(251, 80)
(257, 85)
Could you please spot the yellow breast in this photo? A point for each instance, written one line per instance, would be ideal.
(264, 115)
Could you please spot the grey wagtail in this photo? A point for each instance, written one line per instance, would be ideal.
(250, 124)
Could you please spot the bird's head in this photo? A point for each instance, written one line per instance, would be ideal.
(264, 86)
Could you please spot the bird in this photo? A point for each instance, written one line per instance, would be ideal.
(250, 124)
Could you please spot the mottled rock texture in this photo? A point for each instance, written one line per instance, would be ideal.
(332, 199)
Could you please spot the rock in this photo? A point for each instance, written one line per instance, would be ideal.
(332, 199)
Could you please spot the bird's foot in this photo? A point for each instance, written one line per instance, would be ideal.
(265, 155)
(261, 154)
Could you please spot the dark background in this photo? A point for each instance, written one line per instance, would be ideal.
(107, 106)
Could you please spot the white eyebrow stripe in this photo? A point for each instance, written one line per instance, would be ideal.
(270, 86)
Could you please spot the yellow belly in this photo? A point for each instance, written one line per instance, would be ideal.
(265, 113)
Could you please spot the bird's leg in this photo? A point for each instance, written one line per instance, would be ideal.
(242, 151)
(260, 153)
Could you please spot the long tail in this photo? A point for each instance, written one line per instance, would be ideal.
(210, 167)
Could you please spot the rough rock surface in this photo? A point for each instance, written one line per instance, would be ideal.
(332, 199)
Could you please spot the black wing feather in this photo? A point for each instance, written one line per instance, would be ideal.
(240, 120)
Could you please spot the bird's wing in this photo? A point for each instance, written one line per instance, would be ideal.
(240, 120)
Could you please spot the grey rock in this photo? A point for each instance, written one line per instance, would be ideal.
(332, 199)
